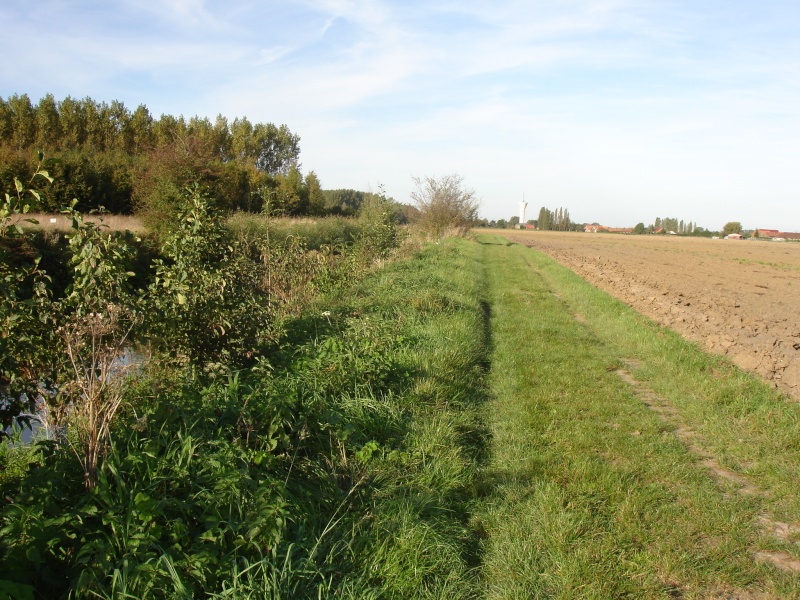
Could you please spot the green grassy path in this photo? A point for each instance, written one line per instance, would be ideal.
(625, 462)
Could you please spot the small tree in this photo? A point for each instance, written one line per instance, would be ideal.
(445, 204)
(732, 227)
(206, 304)
(99, 317)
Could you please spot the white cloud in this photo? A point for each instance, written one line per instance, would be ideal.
(616, 109)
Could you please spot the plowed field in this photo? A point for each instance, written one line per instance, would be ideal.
(737, 298)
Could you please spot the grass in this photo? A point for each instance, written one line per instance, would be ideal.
(474, 421)
(316, 233)
(593, 495)
(62, 224)
(343, 468)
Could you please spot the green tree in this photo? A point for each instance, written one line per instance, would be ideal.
(732, 227)
(23, 121)
(139, 131)
(207, 301)
(316, 199)
(72, 115)
(6, 127)
(48, 124)
(290, 193)
(343, 202)
(544, 219)
(639, 229)
(276, 149)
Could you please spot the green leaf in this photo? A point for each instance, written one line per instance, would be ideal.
(15, 591)
(181, 299)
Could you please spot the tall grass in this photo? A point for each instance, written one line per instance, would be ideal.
(316, 233)
(341, 466)
(62, 224)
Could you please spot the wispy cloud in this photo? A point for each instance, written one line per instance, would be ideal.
(612, 107)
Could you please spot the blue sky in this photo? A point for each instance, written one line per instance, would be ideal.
(619, 110)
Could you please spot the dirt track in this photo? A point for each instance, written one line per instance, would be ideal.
(738, 298)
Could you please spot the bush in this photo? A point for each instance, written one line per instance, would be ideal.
(444, 204)
(206, 304)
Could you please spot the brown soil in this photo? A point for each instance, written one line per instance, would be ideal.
(737, 298)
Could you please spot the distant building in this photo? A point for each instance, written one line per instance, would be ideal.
(774, 234)
(596, 228)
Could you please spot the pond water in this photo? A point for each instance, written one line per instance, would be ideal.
(129, 360)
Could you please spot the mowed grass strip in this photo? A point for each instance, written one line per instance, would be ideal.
(745, 424)
(590, 493)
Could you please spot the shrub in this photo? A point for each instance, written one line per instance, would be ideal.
(206, 304)
(444, 204)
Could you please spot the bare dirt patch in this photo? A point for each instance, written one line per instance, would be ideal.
(737, 298)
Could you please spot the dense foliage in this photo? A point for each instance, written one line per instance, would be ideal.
(274, 436)
(106, 155)
(554, 220)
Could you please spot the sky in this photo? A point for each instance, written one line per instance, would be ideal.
(620, 111)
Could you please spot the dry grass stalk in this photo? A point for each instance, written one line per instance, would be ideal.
(94, 345)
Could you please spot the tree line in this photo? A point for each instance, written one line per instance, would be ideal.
(680, 227)
(131, 161)
(557, 219)
(554, 220)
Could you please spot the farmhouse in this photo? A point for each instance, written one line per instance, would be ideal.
(595, 228)
(775, 234)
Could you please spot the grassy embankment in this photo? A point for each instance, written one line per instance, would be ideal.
(340, 467)
(625, 461)
(475, 421)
